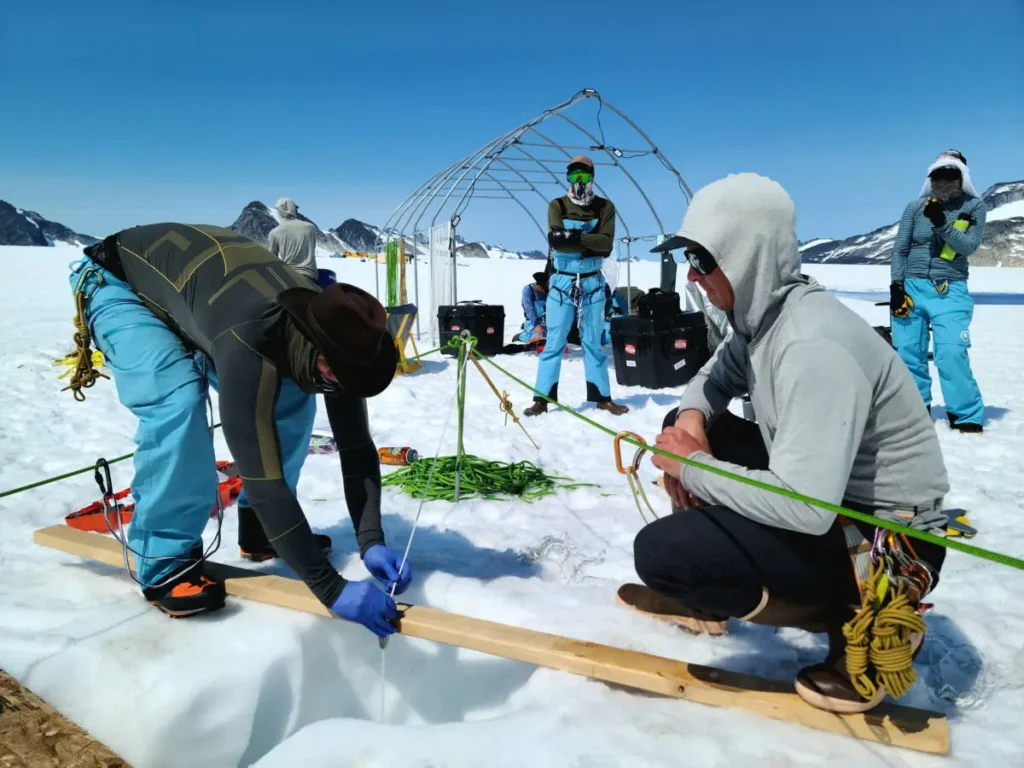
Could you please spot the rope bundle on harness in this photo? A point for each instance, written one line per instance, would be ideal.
(83, 374)
(884, 634)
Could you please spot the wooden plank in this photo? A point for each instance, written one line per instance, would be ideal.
(32, 733)
(888, 724)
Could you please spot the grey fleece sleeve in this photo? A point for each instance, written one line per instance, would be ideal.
(721, 379)
(824, 400)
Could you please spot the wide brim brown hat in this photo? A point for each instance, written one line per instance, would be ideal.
(349, 327)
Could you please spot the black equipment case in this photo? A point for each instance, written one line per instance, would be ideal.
(484, 321)
(651, 353)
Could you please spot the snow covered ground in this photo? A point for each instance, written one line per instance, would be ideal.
(257, 685)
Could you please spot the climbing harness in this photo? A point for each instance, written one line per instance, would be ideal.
(83, 372)
(631, 472)
(883, 636)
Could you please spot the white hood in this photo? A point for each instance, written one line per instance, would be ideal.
(948, 161)
(748, 223)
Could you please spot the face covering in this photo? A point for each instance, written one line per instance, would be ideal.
(302, 357)
(945, 190)
(582, 193)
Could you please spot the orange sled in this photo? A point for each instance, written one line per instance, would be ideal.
(92, 518)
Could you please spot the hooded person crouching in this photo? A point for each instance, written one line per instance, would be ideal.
(176, 308)
(937, 234)
(838, 419)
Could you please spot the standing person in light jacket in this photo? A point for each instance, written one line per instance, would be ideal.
(581, 233)
(938, 232)
(293, 241)
(838, 419)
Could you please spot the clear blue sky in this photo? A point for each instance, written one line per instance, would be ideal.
(121, 113)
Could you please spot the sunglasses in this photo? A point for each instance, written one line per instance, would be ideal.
(946, 174)
(702, 261)
(580, 176)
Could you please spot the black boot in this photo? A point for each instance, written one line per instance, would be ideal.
(252, 540)
(187, 594)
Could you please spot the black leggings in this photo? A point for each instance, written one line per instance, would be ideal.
(717, 560)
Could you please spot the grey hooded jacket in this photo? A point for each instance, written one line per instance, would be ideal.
(293, 241)
(838, 410)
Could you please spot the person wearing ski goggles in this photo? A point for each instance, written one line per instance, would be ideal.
(928, 295)
(837, 419)
(581, 235)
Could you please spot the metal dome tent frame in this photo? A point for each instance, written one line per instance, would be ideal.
(502, 170)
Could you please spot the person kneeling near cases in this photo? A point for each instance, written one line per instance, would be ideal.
(175, 308)
(839, 419)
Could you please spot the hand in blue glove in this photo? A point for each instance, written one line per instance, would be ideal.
(363, 603)
(382, 563)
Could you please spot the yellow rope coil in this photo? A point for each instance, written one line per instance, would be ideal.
(879, 638)
(83, 374)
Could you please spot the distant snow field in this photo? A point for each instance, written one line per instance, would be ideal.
(258, 685)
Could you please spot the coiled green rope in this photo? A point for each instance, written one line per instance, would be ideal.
(480, 478)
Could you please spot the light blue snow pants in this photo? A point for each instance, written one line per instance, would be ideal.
(949, 313)
(561, 307)
(165, 387)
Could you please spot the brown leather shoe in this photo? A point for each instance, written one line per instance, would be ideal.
(538, 407)
(645, 600)
(613, 408)
(827, 685)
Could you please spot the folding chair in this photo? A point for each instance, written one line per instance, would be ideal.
(400, 323)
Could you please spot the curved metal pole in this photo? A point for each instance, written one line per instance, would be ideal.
(528, 213)
(618, 165)
(686, 187)
(597, 186)
(491, 177)
(584, 94)
(383, 231)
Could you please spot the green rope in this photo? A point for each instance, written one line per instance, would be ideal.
(479, 478)
(466, 476)
(878, 522)
(392, 272)
(66, 475)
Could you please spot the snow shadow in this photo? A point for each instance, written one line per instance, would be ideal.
(430, 366)
(337, 674)
(954, 671)
(636, 402)
(992, 413)
(951, 674)
(434, 550)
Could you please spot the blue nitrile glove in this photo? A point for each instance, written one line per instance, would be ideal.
(363, 603)
(382, 562)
